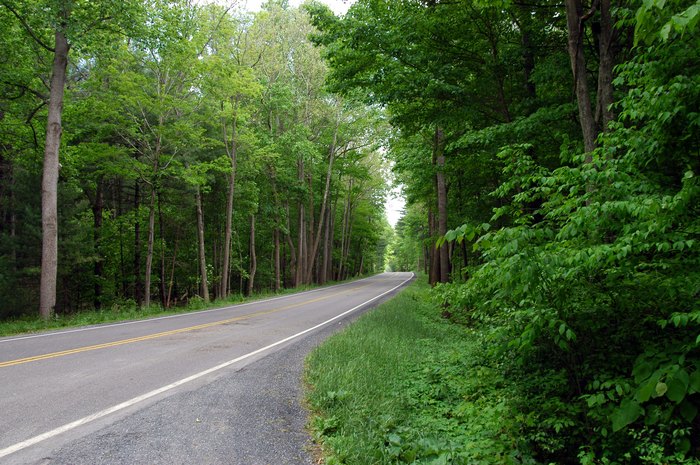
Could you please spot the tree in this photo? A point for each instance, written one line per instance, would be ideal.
(68, 22)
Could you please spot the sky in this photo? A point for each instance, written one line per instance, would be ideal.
(338, 6)
(394, 206)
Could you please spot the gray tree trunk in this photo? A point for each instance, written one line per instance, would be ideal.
(149, 253)
(232, 153)
(49, 181)
(202, 254)
(326, 190)
(276, 258)
(138, 285)
(253, 257)
(97, 209)
(574, 21)
(604, 114)
(301, 251)
(442, 203)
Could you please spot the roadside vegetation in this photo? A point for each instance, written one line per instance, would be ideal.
(405, 385)
(549, 155)
(129, 310)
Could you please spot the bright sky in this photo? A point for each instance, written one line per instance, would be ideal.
(338, 6)
(394, 206)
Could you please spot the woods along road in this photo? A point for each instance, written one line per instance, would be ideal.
(217, 386)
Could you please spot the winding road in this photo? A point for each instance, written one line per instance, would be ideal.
(216, 386)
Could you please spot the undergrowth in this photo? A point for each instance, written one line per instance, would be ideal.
(403, 385)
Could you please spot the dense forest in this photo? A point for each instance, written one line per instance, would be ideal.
(549, 153)
(155, 152)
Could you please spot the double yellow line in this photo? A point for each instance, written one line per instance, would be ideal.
(148, 337)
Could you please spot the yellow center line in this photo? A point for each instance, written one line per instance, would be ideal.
(147, 337)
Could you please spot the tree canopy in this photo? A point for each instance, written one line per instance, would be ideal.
(200, 156)
(549, 156)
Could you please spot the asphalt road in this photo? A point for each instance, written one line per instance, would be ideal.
(213, 387)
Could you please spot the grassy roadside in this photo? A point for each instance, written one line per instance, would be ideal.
(403, 385)
(129, 311)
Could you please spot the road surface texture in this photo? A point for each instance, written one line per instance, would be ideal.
(214, 387)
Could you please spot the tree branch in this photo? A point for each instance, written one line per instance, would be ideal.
(26, 27)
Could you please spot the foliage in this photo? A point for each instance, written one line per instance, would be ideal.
(600, 283)
(580, 271)
(159, 95)
(392, 389)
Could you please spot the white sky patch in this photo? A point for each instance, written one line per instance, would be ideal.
(395, 203)
(339, 7)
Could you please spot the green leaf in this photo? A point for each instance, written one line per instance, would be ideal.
(676, 389)
(665, 31)
(694, 382)
(628, 413)
(661, 389)
(644, 393)
(641, 371)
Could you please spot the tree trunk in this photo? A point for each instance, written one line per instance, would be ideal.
(118, 213)
(442, 203)
(308, 237)
(326, 248)
(362, 261)
(331, 241)
(604, 114)
(171, 281)
(97, 209)
(434, 256)
(49, 181)
(161, 284)
(200, 240)
(528, 51)
(276, 233)
(344, 233)
(574, 22)
(292, 250)
(138, 284)
(301, 252)
(326, 190)
(348, 240)
(149, 253)
(13, 223)
(276, 257)
(253, 257)
(232, 150)
(215, 262)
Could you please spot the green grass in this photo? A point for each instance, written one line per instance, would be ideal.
(404, 385)
(129, 311)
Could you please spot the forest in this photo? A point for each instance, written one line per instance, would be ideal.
(549, 153)
(161, 152)
(167, 152)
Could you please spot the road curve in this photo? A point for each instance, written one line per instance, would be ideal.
(59, 389)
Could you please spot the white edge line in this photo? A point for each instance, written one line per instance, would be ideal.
(179, 315)
(103, 413)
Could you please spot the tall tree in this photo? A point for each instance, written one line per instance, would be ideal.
(68, 22)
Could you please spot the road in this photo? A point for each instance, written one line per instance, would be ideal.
(121, 393)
